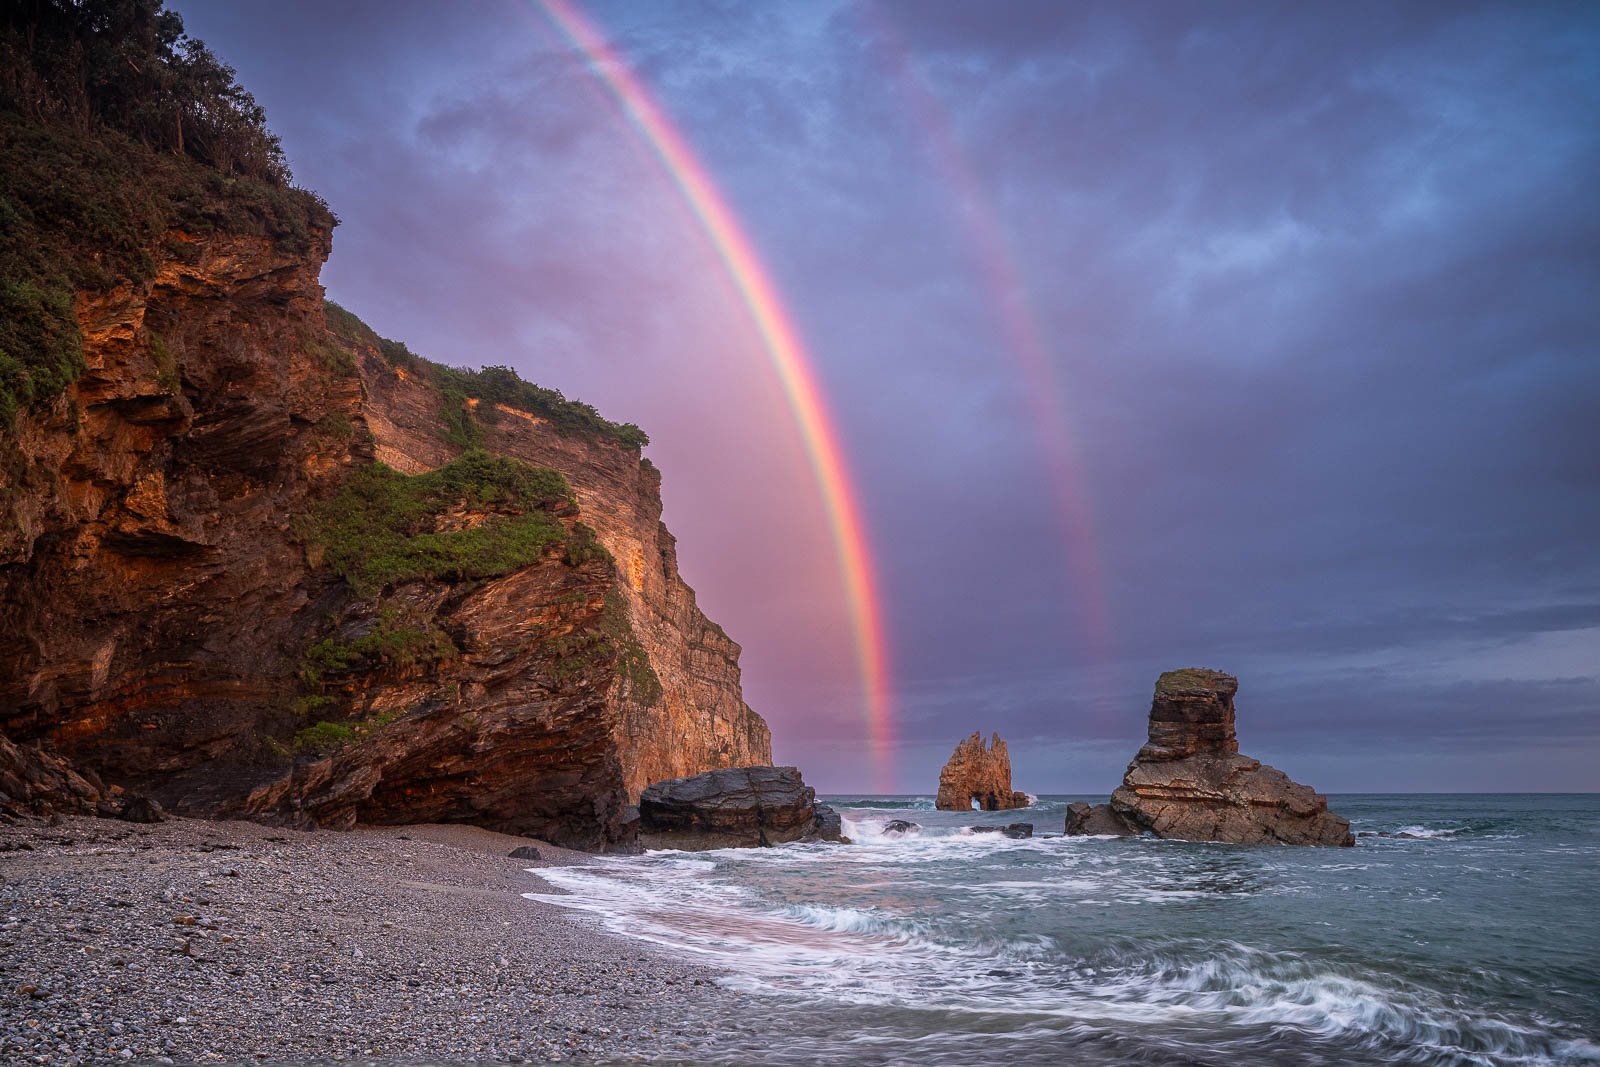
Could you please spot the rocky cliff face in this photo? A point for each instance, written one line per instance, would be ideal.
(978, 775)
(1190, 782)
(698, 719)
(172, 622)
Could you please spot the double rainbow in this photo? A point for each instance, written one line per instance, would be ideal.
(784, 349)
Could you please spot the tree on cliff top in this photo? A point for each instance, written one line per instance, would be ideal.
(127, 65)
(114, 129)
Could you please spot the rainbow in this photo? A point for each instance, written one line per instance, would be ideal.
(784, 349)
(1009, 296)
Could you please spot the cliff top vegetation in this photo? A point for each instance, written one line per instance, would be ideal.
(490, 385)
(115, 128)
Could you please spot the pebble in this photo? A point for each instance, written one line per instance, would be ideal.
(112, 951)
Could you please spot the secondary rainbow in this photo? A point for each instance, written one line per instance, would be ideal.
(784, 348)
(1008, 295)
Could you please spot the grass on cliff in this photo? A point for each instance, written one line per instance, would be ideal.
(613, 637)
(463, 425)
(394, 640)
(323, 737)
(115, 129)
(382, 527)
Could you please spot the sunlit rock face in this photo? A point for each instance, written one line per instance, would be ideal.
(1190, 782)
(167, 626)
(978, 776)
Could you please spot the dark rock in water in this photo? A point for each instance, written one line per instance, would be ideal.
(830, 827)
(1190, 782)
(524, 852)
(1017, 830)
(899, 827)
(1096, 821)
(741, 807)
(978, 775)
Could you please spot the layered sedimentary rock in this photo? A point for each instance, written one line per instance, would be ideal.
(977, 775)
(167, 626)
(1096, 820)
(740, 807)
(1190, 782)
(699, 720)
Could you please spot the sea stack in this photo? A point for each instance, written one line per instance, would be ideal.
(978, 776)
(1190, 782)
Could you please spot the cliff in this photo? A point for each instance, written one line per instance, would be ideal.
(1190, 782)
(978, 775)
(256, 560)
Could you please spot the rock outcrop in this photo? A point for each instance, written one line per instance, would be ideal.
(1016, 830)
(168, 623)
(740, 807)
(978, 776)
(1190, 782)
(1097, 820)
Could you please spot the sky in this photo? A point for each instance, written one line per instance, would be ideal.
(1256, 337)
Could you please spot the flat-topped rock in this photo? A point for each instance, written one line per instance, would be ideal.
(978, 776)
(739, 807)
(1192, 715)
(1190, 782)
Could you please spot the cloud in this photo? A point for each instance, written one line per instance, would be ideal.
(1317, 285)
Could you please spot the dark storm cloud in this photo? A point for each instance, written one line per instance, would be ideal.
(1318, 285)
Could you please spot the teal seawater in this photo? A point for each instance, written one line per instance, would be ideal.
(1477, 941)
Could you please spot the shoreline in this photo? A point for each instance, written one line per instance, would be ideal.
(233, 942)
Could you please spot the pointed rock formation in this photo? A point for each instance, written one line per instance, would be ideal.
(1190, 782)
(978, 775)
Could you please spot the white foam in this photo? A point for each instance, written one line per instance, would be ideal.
(892, 952)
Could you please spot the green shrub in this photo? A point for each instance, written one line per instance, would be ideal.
(332, 358)
(345, 326)
(167, 378)
(114, 129)
(613, 638)
(583, 546)
(308, 705)
(335, 426)
(379, 529)
(323, 737)
(633, 662)
(489, 386)
(392, 640)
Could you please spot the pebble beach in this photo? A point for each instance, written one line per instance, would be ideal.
(229, 942)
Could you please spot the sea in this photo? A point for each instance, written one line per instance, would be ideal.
(1471, 936)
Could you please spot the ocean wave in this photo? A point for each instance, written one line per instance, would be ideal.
(1424, 831)
(849, 920)
(903, 803)
(852, 926)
